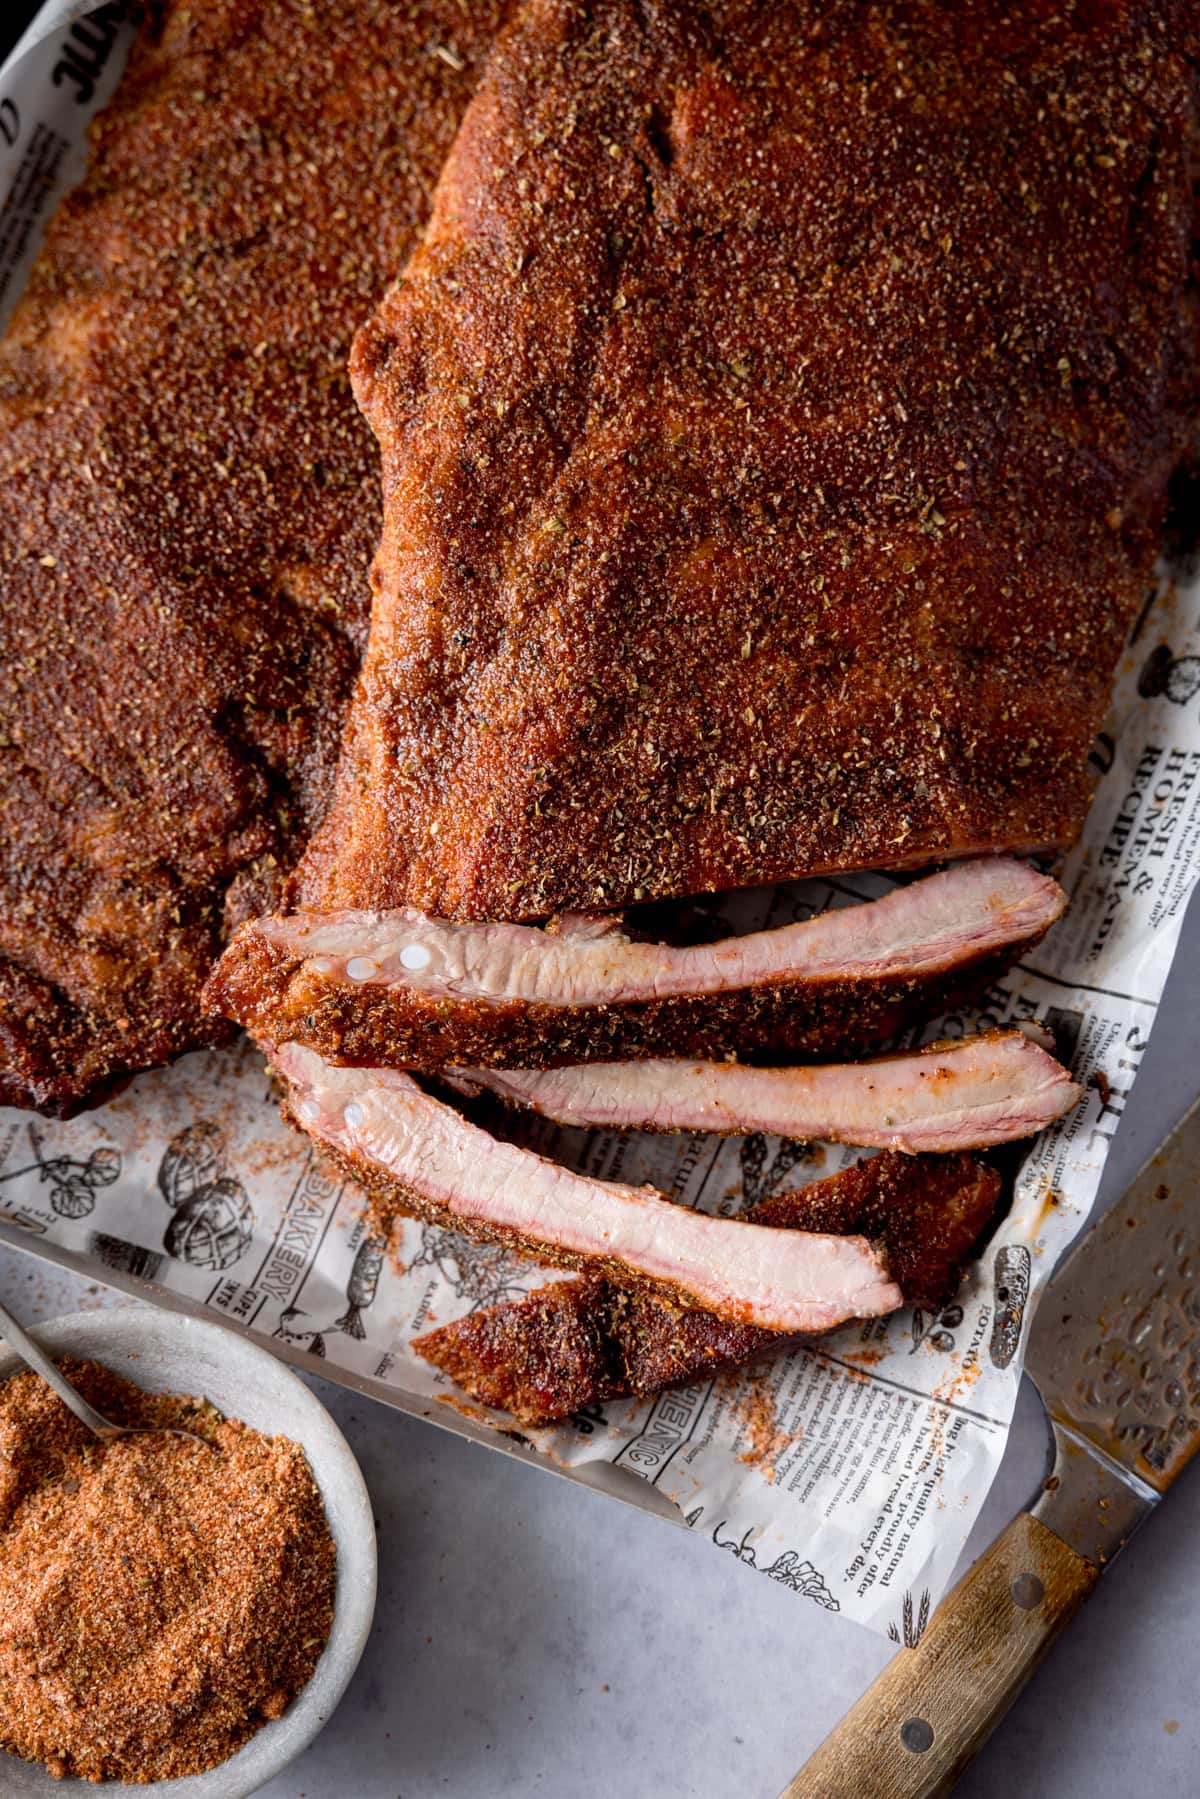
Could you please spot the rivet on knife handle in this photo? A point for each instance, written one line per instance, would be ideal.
(915, 1729)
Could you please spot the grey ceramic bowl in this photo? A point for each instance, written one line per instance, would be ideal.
(165, 1352)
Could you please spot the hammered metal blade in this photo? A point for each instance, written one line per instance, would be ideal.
(1090, 1502)
(1115, 1345)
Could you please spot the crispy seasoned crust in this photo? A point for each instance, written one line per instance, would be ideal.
(578, 1343)
(189, 501)
(776, 426)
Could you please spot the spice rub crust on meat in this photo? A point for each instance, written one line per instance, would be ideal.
(579, 1343)
(776, 426)
(189, 499)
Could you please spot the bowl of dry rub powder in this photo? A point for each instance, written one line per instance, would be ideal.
(174, 1613)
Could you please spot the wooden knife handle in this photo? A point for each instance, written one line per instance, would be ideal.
(915, 1729)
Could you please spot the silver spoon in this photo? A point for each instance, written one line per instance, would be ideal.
(103, 1427)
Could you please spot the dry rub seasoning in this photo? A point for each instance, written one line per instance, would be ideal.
(159, 1600)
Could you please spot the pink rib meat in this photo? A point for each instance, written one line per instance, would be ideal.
(964, 911)
(987, 1089)
(380, 1122)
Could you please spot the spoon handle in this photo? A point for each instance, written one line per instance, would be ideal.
(41, 1364)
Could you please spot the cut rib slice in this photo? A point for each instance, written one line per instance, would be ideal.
(992, 1088)
(401, 989)
(579, 1343)
(414, 1154)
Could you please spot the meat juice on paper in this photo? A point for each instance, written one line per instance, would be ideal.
(851, 1471)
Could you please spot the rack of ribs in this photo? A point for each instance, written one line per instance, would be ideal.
(189, 499)
(776, 421)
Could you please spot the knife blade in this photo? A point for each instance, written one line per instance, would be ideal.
(1114, 1351)
(1115, 1354)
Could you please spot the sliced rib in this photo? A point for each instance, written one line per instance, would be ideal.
(415, 1154)
(993, 1088)
(582, 1342)
(401, 989)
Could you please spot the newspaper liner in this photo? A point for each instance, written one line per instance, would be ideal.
(851, 1471)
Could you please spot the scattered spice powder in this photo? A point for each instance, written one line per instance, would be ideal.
(765, 1442)
(159, 1600)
